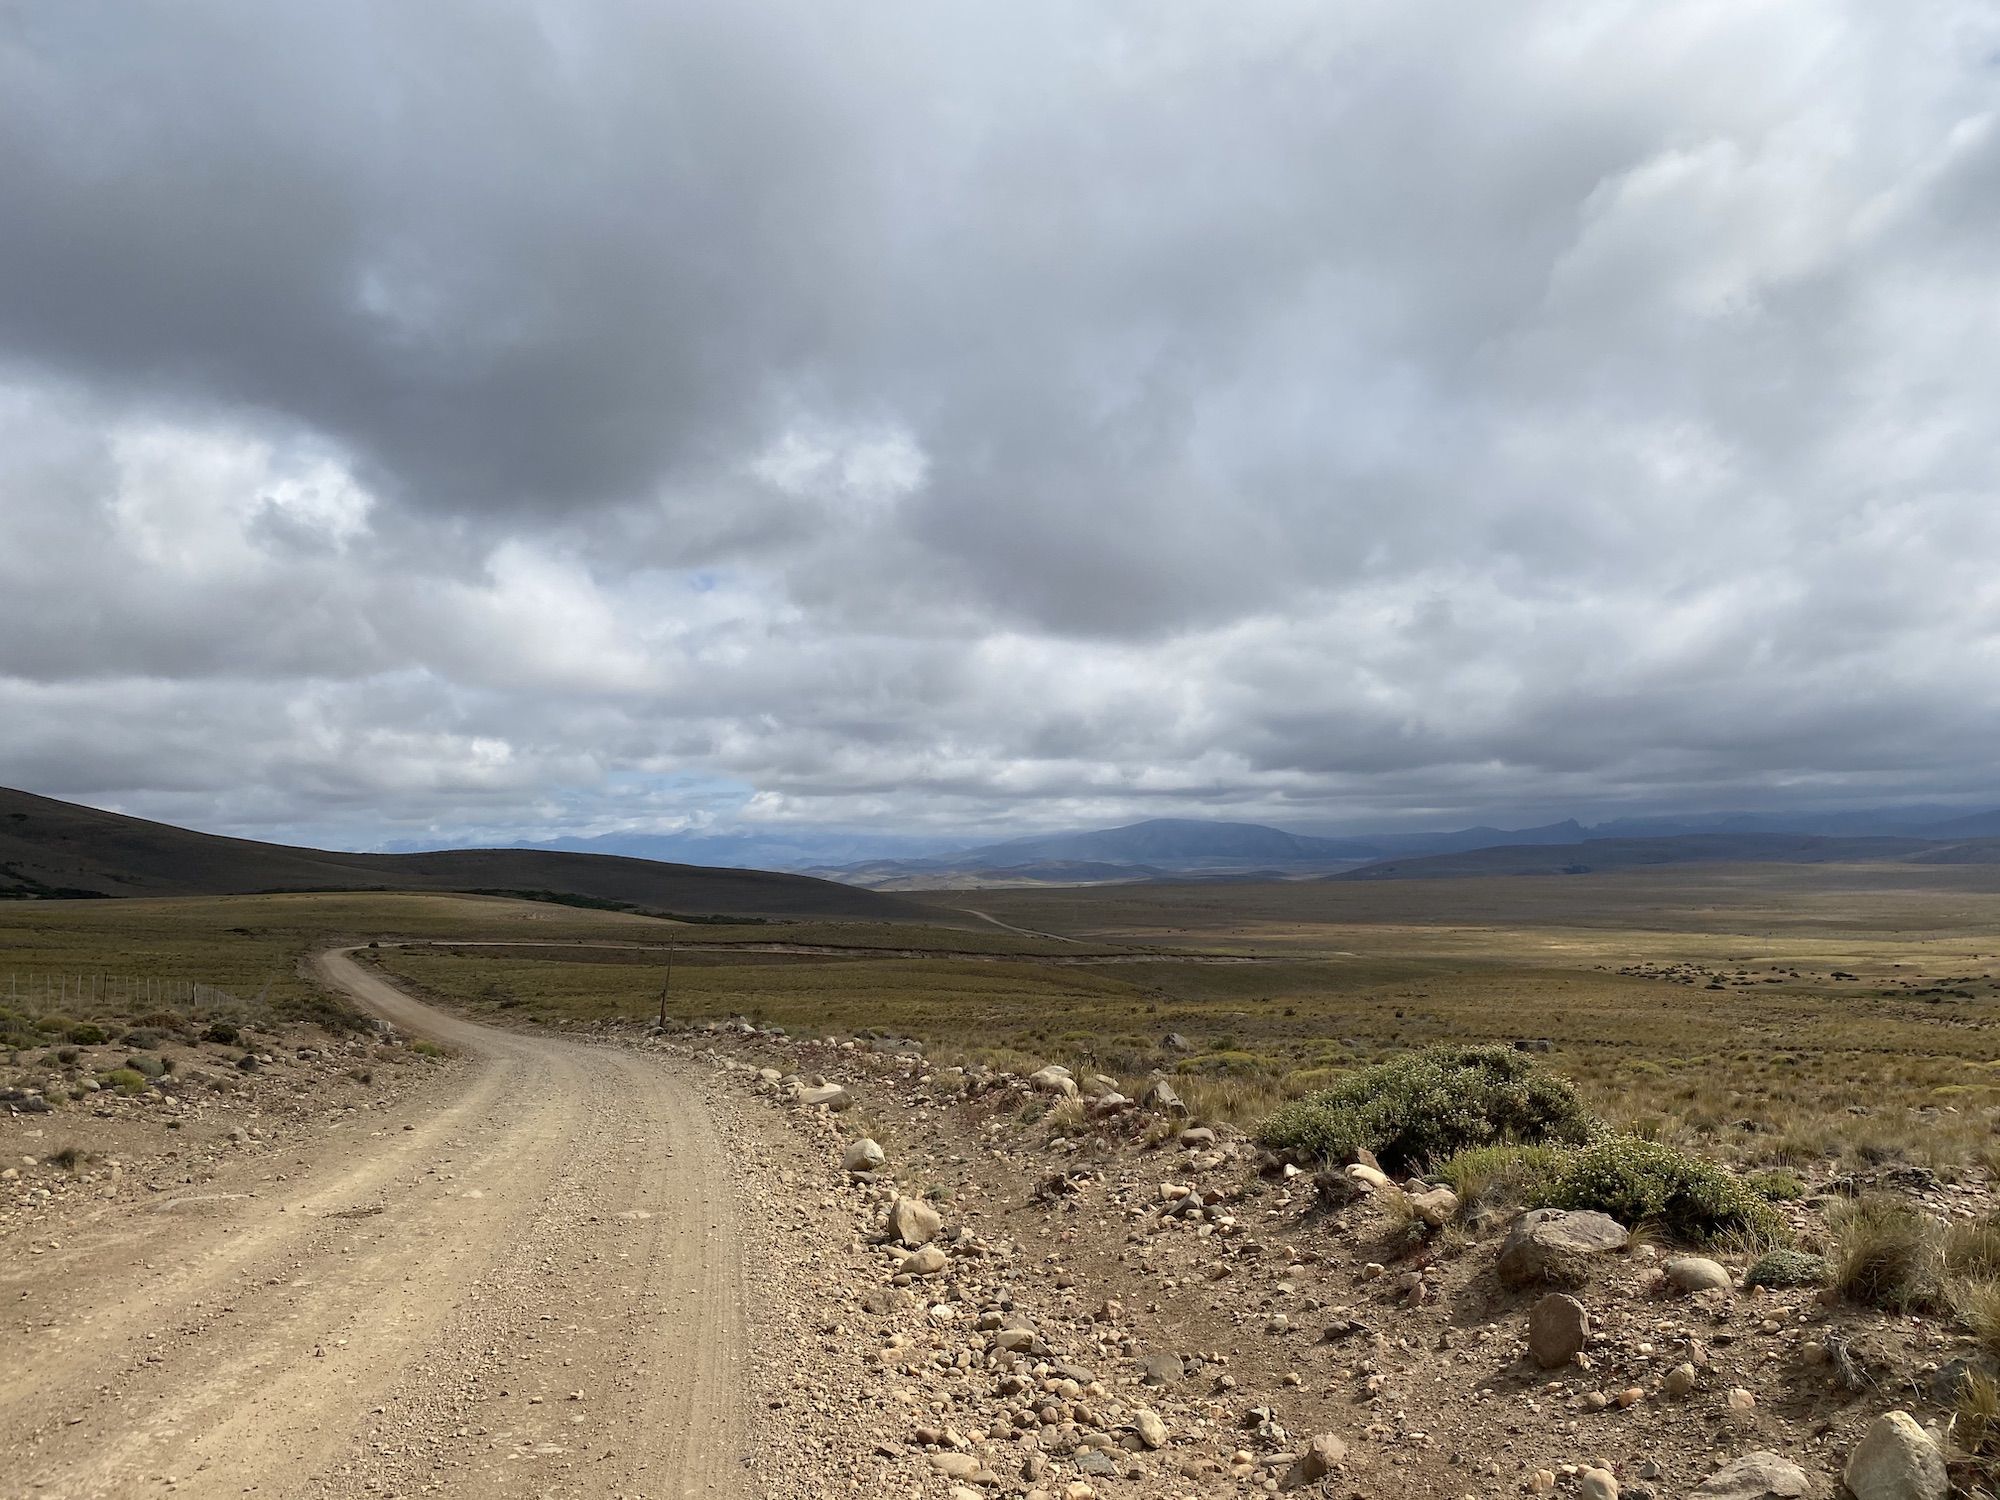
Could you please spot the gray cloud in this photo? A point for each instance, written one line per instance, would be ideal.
(537, 417)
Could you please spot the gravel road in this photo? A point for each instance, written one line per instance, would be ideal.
(527, 1282)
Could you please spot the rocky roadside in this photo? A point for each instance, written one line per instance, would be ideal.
(981, 1296)
(69, 1142)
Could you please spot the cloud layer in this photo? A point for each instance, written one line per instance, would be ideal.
(533, 418)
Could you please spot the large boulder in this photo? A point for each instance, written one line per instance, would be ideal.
(1896, 1460)
(1558, 1329)
(1160, 1095)
(1756, 1476)
(1054, 1080)
(830, 1095)
(1436, 1206)
(1555, 1245)
(864, 1155)
(1323, 1455)
(913, 1222)
(1694, 1273)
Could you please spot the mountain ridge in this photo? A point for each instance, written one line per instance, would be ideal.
(54, 849)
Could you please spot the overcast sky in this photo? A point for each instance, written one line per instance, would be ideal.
(475, 418)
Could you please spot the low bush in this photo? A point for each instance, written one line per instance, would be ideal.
(222, 1033)
(1887, 1253)
(427, 1049)
(1776, 1186)
(1781, 1269)
(87, 1034)
(1645, 1182)
(147, 1064)
(1494, 1177)
(125, 1080)
(1429, 1106)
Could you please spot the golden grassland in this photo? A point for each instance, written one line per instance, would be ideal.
(1727, 1028)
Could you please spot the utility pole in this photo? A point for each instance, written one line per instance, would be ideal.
(665, 985)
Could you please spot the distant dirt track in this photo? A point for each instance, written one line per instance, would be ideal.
(375, 1321)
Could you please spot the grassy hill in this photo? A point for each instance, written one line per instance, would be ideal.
(52, 849)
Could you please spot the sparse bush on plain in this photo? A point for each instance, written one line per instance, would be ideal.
(124, 1080)
(1645, 1182)
(1782, 1269)
(87, 1034)
(1428, 1106)
(1776, 1186)
(1887, 1253)
(1487, 1178)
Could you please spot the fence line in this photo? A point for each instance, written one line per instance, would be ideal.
(40, 993)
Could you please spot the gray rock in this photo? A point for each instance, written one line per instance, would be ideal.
(1896, 1460)
(1160, 1095)
(1054, 1080)
(831, 1095)
(1556, 1245)
(864, 1155)
(1756, 1476)
(1436, 1206)
(913, 1222)
(1558, 1329)
(1160, 1369)
(1323, 1455)
(1693, 1273)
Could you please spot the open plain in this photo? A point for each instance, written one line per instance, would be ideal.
(468, 1221)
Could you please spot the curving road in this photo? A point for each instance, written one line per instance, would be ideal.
(534, 1288)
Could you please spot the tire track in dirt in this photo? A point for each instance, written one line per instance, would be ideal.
(536, 1289)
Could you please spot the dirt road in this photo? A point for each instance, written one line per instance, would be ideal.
(528, 1283)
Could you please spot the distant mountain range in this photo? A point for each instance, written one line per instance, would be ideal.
(1186, 848)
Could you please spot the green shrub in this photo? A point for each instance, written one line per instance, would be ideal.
(147, 1064)
(222, 1033)
(142, 1037)
(1887, 1253)
(1776, 1186)
(1646, 1182)
(1490, 1177)
(1428, 1106)
(1787, 1268)
(87, 1034)
(427, 1049)
(125, 1080)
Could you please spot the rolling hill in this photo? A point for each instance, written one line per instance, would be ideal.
(50, 849)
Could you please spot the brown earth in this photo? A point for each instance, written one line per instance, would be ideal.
(526, 1279)
(631, 1266)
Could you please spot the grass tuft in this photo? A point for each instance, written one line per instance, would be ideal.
(1886, 1254)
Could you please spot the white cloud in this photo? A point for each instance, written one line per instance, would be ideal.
(935, 416)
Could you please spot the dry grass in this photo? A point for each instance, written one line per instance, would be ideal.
(1888, 1254)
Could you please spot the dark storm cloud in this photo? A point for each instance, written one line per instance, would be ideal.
(939, 414)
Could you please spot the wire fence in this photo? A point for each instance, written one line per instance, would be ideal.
(37, 993)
